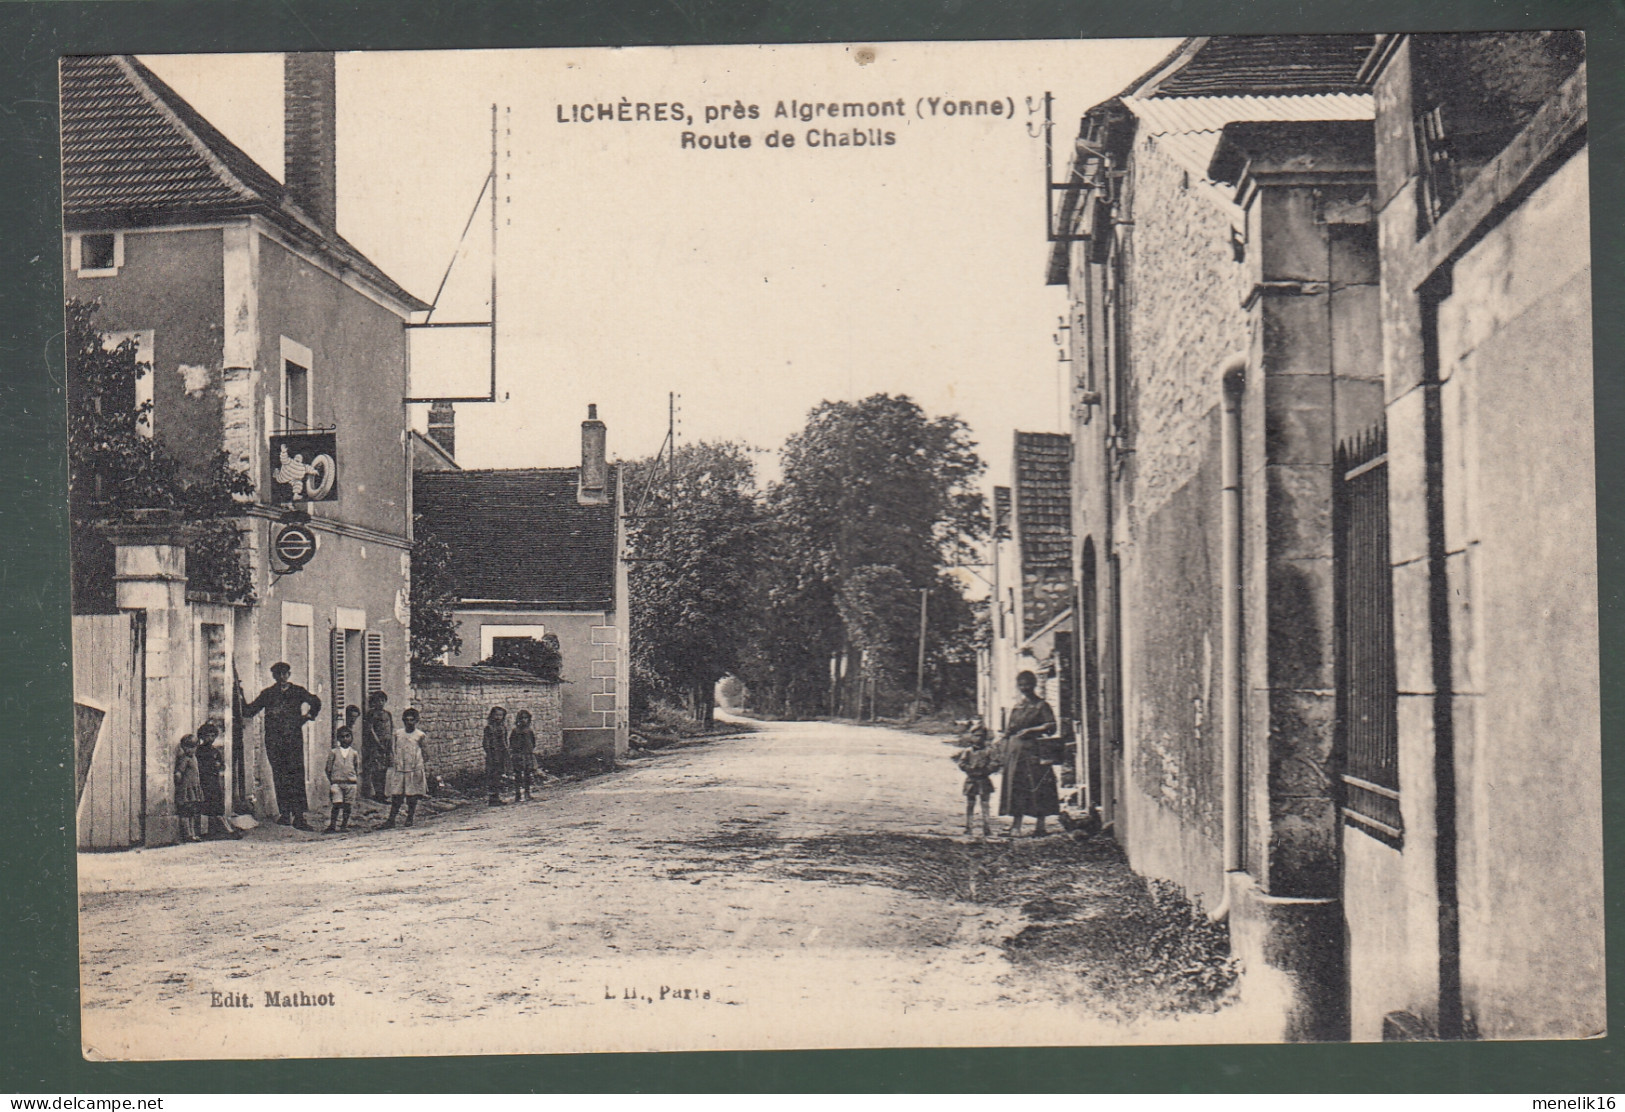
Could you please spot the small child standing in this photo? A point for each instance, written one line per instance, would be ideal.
(343, 769)
(496, 754)
(407, 778)
(976, 762)
(188, 790)
(211, 772)
(522, 746)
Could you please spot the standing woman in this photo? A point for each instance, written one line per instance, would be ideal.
(1028, 787)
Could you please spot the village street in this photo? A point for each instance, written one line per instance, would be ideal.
(804, 885)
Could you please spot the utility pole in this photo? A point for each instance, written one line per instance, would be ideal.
(919, 669)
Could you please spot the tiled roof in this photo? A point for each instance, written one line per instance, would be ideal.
(520, 536)
(1043, 499)
(136, 154)
(1263, 65)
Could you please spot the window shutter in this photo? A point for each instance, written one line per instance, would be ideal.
(341, 689)
(374, 648)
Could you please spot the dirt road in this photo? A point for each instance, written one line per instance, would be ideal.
(803, 886)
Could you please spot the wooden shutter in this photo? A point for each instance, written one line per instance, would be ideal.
(341, 688)
(373, 644)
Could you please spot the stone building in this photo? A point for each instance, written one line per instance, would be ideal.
(259, 321)
(539, 551)
(1030, 602)
(1260, 294)
(1482, 915)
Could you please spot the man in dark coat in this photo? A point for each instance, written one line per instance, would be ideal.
(284, 705)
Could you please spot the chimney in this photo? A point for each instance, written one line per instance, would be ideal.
(594, 485)
(443, 427)
(309, 135)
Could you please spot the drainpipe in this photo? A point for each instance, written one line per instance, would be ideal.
(1234, 378)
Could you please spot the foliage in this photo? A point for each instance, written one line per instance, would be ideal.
(116, 470)
(434, 596)
(542, 658)
(879, 482)
(877, 499)
(877, 608)
(694, 540)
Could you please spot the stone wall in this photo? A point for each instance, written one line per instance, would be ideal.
(1185, 316)
(1186, 289)
(453, 704)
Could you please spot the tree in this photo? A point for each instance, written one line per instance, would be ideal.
(868, 485)
(118, 471)
(878, 610)
(695, 541)
(433, 595)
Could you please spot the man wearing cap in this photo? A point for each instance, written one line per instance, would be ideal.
(284, 705)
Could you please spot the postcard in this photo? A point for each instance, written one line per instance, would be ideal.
(1025, 543)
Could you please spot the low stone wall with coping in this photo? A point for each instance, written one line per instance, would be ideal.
(453, 703)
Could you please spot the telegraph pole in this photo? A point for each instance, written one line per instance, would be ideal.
(919, 668)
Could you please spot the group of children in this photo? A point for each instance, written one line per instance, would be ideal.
(509, 750)
(392, 766)
(200, 786)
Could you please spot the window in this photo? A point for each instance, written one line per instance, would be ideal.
(295, 397)
(1473, 93)
(98, 254)
(492, 635)
(141, 395)
(295, 402)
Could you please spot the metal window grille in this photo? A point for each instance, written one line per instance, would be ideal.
(1366, 692)
(1440, 175)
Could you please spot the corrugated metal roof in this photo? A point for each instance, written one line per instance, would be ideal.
(1162, 116)
(1266, 64)
(1187, 129)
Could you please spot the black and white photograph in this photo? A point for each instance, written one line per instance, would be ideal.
(1014, 543)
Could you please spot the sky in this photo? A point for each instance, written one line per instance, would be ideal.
(754, 283)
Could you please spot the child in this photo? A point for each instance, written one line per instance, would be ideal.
(188, 789)
(976, 762)
(496, 754)
(352, 715)
(211, 772)
(522, 744)
(343, 767)
(407, 777)
(377, 735)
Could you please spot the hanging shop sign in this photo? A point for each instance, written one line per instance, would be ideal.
(304, 467)
(294, 545)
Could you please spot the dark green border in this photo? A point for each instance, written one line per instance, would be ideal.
(39, 1045)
